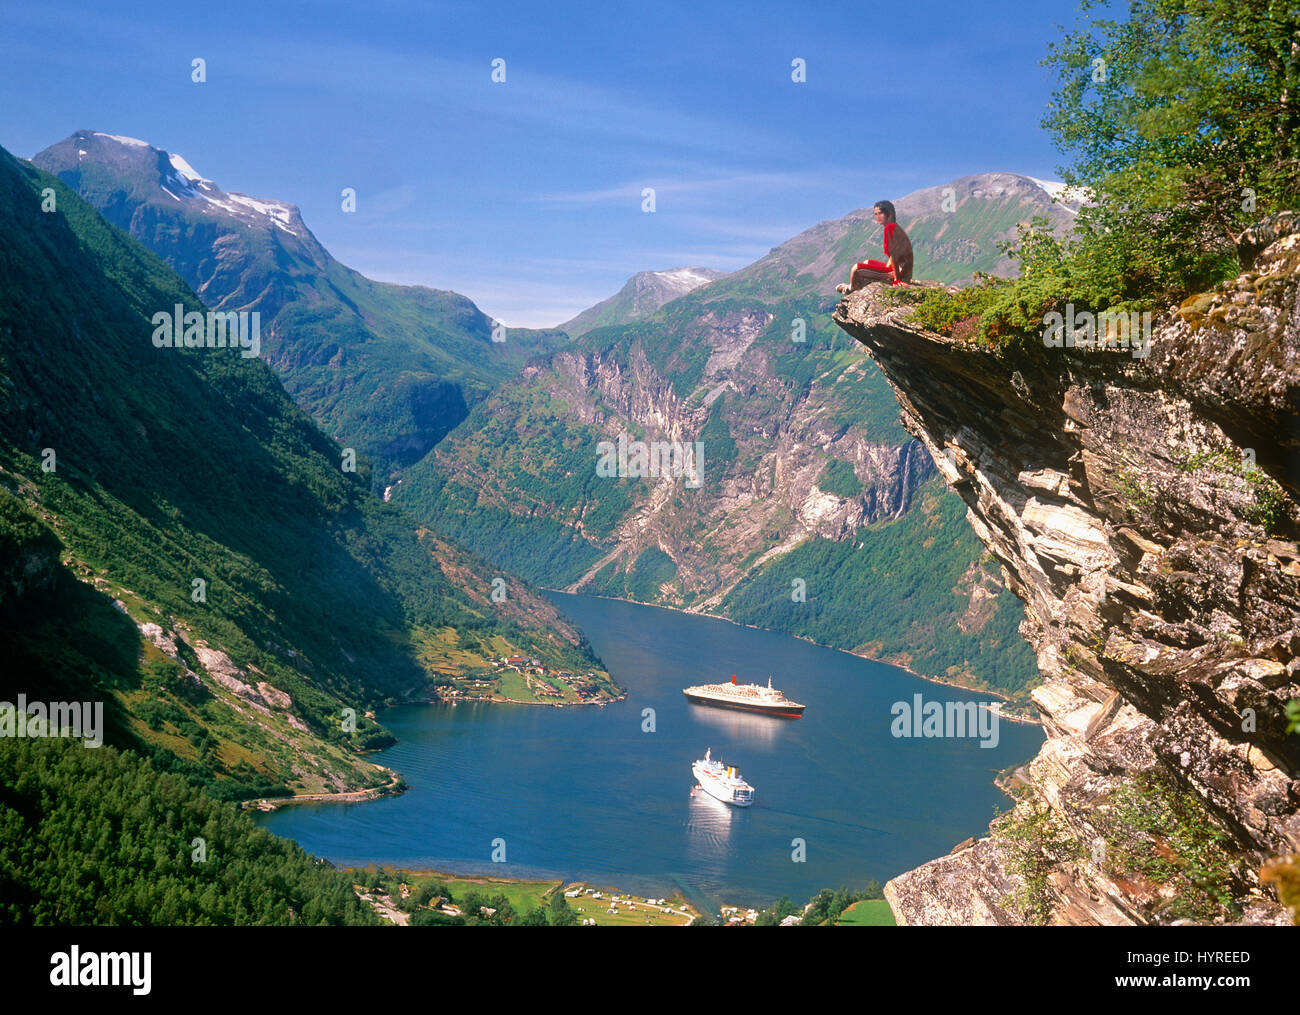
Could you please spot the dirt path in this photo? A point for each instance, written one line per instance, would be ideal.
(383, 905)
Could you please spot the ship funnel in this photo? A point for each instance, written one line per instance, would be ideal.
(733, 678)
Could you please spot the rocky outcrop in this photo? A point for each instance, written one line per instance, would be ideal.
(1144, 508)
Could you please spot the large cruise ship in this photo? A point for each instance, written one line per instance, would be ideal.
(747, 697)
(722, 781)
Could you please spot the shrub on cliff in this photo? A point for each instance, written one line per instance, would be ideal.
(1156, 831)
(1034, 844)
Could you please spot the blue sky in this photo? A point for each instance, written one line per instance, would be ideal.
(526, 195)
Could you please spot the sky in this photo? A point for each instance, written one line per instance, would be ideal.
(527, 194)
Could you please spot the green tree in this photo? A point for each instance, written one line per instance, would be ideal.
(1183, 121)
(1181, 125)
(773, 917)
(559, 914)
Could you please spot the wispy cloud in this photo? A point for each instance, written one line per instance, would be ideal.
(717, 182)
(394, 74)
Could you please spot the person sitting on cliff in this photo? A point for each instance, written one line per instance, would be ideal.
(896, 269)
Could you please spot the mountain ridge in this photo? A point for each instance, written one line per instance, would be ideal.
(814, 260)
(179, 540)
(386, 368)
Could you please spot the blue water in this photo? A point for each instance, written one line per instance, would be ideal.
(585, 793)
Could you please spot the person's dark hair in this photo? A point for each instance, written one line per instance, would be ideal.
(887, 207)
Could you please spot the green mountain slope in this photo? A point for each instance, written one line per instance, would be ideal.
(177, 538)
(803, 458)
(384, 368)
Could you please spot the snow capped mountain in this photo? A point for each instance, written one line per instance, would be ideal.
(164, 177)
(643, 294)
(389, 369)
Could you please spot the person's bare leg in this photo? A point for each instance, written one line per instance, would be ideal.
(865, 276)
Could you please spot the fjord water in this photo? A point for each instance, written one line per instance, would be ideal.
(585, 793)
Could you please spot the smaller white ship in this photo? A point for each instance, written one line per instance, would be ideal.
(722, 781)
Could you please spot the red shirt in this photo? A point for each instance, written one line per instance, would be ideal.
(889, 231)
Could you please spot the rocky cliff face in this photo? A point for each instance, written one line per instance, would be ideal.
(749, 514)
(776, 499)
(1145, 511)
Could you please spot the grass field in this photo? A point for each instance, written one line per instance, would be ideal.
(868, 913)
(514, 686)
(628, 915)
(522, 895)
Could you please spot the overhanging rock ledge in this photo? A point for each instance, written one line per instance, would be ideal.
(1160, 572)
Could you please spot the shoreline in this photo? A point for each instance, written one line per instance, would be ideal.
(393, 787)
(360, 796)
(1002, 696)
(495, 700)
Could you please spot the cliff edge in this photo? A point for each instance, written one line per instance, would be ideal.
(1145, 510)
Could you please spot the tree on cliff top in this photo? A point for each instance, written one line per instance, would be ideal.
(1183, 121)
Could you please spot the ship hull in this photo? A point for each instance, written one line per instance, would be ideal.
(787, 711)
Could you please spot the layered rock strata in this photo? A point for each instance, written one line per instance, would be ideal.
(1144, 508)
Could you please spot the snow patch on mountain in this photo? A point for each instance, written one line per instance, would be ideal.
(280, 214)
(134, 142)
(186, 170)
(1059, 192)
(684, 279)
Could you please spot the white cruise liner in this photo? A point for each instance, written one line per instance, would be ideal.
(746, 697)
(722, 781)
